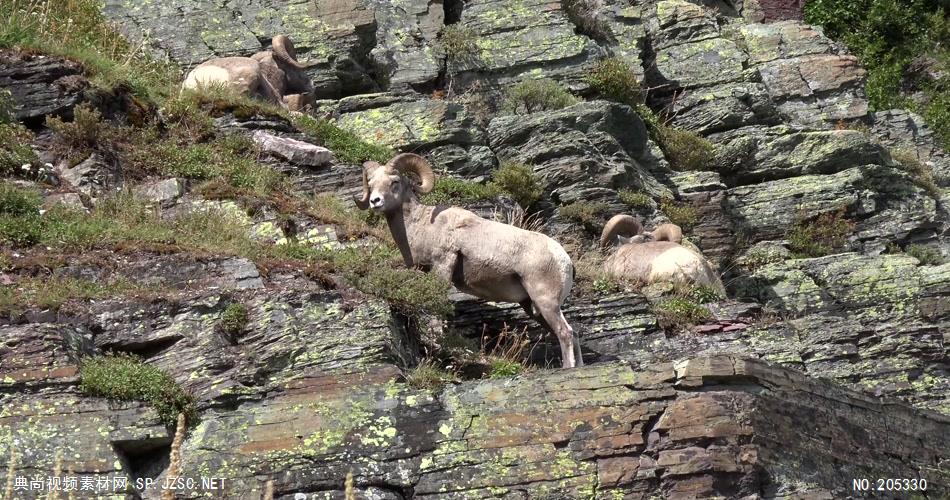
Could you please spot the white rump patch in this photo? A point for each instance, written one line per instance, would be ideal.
(204, 75)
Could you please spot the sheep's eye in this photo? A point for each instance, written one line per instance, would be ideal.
(395, 184)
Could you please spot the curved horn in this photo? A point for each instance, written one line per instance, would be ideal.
(668, 232)
(413, 163)
(621, 224)
(362, 203)
(284, 51)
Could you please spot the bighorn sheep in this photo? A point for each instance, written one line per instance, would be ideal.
(488, 259)
(274, 75)
(644, 257)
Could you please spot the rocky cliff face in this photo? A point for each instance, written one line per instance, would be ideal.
(814, 372)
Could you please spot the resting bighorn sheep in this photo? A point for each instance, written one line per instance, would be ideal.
(274, 75)
(488, 259)
(656, 256)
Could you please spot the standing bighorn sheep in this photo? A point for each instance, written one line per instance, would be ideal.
(654, 256)
(488, 259)
(274, 75)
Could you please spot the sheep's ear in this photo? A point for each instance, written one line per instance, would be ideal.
(623, 240)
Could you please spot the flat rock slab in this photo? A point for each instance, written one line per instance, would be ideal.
(704, 426)
(41, 85)
(294, 151)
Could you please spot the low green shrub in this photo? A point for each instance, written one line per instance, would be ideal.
(233, 319)
(635, 199)
(613, 79)
(504, 368)
(819, 236)
(127, 378)
(519, 181)
(542, 94)
(685, 150)
(589, 213)
(459, 41)
(428, 375)
(78, 138)
(928, 256)
(679, 213)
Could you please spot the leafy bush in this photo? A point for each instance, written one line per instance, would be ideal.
(887, 35)
(542, 94)
(679, 213)
(459, 41)
(820, 236)
(504, 368)
(635, 199)
(685, 150)
(928, 256)
(81, 136)
(519, 181)
(127, 378)
(459, 192)
(613, 79)
(233, 319)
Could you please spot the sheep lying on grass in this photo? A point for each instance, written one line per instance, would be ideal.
(273, 75)
(488, 259)
(654, 256)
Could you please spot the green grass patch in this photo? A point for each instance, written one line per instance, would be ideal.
(820, 236)
(78, 30)
(543, 94)
(504, 368)
(53, 292)
(128, 378)
(347, 146)
(15, 150)
(380, 272)
(519, 181)
(429, 375)
(453, 191)
(676, 313)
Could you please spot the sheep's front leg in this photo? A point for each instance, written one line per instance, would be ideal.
(445, 266)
